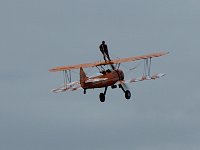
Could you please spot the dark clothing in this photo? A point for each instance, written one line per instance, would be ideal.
(104, 49)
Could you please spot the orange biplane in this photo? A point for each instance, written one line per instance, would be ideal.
(113, 77)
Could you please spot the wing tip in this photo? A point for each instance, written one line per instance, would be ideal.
(52, 70)
(165, 52)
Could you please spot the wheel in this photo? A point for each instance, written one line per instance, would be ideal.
(127, 94)
(102, 97)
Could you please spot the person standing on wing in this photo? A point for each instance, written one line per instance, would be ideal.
(104, 50)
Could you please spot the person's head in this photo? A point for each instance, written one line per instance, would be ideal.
(103, 42)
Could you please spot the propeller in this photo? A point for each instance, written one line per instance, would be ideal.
(123, 84)
(133, 68)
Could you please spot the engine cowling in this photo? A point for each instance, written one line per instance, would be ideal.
(120, 74)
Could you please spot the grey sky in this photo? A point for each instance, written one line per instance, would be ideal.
(40, 34)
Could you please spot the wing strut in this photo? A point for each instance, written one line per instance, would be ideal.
(67, 77)
(147, 67)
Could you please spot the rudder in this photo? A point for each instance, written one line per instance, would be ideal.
(83, 77)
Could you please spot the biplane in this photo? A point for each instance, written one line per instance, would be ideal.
(112, 77)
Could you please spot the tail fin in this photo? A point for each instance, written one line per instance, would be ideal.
(83, 77)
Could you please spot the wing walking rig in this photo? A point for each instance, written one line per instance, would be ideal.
(106, 78)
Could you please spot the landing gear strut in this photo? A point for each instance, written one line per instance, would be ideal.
(102, 95)
(84, 91)
(127, 92)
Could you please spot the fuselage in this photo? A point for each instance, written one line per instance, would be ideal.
(108, 78)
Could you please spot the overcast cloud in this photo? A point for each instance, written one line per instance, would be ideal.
(36, 35)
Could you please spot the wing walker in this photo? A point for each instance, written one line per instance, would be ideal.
(113, 77)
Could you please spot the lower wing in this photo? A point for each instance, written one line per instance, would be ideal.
(73, 86)
(142, 78)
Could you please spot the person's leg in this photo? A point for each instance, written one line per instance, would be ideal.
(104, 57)
(107, 55)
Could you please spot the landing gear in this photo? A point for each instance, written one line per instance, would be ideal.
(127, 92)
(84, 91)
(102, 95)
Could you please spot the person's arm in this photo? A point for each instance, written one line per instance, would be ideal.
(101, 49)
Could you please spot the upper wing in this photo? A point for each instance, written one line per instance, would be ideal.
(134, 58)
(115, 61)
(71, 67)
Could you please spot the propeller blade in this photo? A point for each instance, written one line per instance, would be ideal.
(133, 68)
